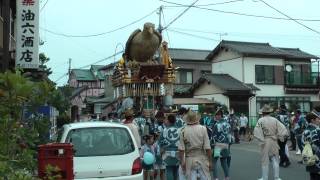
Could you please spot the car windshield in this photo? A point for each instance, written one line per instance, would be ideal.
(102, 141)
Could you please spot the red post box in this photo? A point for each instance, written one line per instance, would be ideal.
(58, 155)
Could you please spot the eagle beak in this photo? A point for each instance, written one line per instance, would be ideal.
(150, 30)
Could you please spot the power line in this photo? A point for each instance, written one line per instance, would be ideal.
(244, 14)
(210, 4)
(98, 34)
(164, 21)
(195, 30)
(101, 60)
(192, 35)
(61, 77)
(191, 5)
(219, 3)
(44, 5)
(311, 29)
(243, 34)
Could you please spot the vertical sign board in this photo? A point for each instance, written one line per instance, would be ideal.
(27, 46)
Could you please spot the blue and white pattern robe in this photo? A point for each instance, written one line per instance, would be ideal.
(168, 141)
(312, 135)
(179, 121)
(221, 132)
(140, 122)
(284, 119)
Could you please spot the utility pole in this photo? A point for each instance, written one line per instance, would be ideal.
(160, 28)
(69, 70)
(6, 36)
(222, 34)
(318, 83)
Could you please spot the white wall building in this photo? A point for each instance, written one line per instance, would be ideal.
(274, 75)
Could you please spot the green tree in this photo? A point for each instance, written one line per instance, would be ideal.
(43, 60)
(18, 137)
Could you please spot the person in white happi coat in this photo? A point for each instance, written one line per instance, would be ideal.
(194, 149)
(268, 131)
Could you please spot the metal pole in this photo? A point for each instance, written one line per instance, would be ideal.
(69, 70)
(318, 60)
(160, 26)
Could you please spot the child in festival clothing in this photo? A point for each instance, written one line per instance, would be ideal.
(159, 166)
(147, 147)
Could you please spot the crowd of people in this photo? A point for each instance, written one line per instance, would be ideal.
(187, 145)
(274, 129)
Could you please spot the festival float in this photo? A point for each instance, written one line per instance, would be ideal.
(144, 76)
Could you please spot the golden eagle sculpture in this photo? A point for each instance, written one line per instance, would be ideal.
(142, 45)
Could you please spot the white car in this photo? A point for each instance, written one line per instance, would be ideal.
(102, 151)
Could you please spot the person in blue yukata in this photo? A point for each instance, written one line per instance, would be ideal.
(298, 130)
(168, 142)
(233, 120)
(159, 122)
(312, 135)
(147, 147)
(158, 129)
(140, 122)
(207, 122)
(179, 117)
(283, 117)
(221, 141)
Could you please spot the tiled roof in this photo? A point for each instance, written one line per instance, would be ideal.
(226, 82)
(188, 54)
(111, 65)
(297, 53)
(93, 99)
(83, 75)
(77, 91)
(91, 74)
(180, 89)
(259, 49)
(253, 87)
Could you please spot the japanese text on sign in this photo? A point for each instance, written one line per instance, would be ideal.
(27, 46)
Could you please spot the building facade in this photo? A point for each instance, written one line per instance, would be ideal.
(279, 75)
(7, 33)
(88, 87)
(190, 65)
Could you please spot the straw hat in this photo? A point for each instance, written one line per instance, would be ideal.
(128, 113)
(267, 109)
(191, 117)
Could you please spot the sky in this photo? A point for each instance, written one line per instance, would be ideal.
(91, 31)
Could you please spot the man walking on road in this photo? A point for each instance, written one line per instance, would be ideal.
(283, 117)
(268, 130)
(243, 125)
(194, 149)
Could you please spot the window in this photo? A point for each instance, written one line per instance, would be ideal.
(184, 77)
(264, 74)
(292, 102)
(300, 75)
(102, 141)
